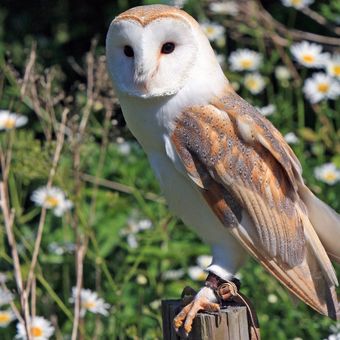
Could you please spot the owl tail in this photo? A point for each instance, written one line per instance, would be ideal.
(325, 220)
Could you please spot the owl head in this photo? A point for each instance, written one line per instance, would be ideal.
(153, 51)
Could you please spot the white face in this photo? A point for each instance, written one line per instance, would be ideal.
(151, 61)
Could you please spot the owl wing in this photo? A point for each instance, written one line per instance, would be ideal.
(250, 177)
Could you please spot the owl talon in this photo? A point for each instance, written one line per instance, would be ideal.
(186, 316)
(225, 293)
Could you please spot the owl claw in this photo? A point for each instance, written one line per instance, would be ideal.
(225, 293)
(186, 316)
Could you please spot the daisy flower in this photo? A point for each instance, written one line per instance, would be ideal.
(333, 66)
(61, 248)
(204, 261)
(9, 120)
(282, 73)
(48, 198)
(225, 8)
(6, 317)
(90, 301)
(254, 83)
(266, 110)
(52, 198)
(141, 280)
(133, 227)
(321, 86)
(298, 4)
(155, 304)
(144, 224)
(272, 298)
(5, 297)
(132, 241)
(124, 147)
(309, 54)
(40, 329)
(245, 60)
(291, 138)
(196, 273)
(327, 173)
(212, 30)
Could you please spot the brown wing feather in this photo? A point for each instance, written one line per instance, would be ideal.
(248, 172)
(241, 162)
(262, 131)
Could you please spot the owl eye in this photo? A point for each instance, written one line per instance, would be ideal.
(128, 51)
(168, 48)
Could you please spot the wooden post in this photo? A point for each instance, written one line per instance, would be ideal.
(230, 324)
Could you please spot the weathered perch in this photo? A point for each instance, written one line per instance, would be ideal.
(230, 324)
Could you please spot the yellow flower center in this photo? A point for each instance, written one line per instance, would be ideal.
(308, 58)
(246, 63)
(89, 304)
(252, 84)
(9, 123)
(323, 87)
(330, 176)
(4, 318)
(36, 331)
(210, 30)
(202, 276)
(296, 2)
(336, 70)
(52, 201)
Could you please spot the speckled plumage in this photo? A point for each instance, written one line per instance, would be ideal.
(212, 149)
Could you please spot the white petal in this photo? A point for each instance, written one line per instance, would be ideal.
(204, 261)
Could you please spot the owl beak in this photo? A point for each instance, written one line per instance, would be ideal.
(142, 85)
(142, 74)
(141, 79)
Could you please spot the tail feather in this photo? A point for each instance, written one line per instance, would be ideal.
(318, 249)
(307, 281)
(325, 220)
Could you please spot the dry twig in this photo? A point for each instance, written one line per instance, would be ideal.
(120, 187)
(320, 19)
(77, 303)
(59, 146)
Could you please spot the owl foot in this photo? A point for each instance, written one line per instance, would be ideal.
(202, 301)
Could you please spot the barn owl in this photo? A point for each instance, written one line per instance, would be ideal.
(224, 169)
